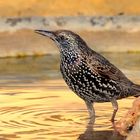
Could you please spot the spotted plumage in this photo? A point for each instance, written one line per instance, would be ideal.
(92, 77)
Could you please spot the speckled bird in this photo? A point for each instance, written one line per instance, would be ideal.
(88, 74)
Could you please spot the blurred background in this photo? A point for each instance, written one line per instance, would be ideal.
(100, 22)
(35, 103)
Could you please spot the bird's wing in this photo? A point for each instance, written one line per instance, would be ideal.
(104, 68)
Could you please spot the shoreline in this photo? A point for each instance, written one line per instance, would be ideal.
(90, 23)
(113, 34)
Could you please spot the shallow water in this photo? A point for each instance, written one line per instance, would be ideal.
(36, 104)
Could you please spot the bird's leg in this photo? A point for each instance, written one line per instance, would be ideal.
(115, 107)
(91, 112)
(90, 109)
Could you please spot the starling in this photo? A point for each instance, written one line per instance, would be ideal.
(88, 74)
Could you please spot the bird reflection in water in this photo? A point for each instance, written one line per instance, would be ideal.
(91, 134)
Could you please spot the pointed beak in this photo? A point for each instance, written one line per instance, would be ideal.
(49, 34)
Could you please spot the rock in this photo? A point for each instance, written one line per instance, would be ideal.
(129, 125)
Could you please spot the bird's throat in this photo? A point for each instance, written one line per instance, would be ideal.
(70, 58)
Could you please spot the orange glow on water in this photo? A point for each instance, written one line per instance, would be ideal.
(35, 102)
(50, 113)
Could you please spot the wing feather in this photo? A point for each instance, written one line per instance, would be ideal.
(104, 68)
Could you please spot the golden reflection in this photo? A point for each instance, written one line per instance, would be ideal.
(42, 112)
(34, 104)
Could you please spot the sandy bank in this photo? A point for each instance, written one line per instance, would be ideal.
(91, 23)
(24, 8)
(103, 34)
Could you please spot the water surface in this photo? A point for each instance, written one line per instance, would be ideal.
(36, 104)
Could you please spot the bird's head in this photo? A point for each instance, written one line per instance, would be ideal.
(65, 40)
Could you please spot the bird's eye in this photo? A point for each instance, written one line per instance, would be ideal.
(66, 38)
(62, 37)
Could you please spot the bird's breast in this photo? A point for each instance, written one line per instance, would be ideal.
(87, 84)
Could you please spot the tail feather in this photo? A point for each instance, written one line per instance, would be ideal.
(136, 90)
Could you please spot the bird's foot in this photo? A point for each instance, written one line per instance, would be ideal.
(112, 120)
(113, 125)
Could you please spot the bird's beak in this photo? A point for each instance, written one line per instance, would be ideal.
(49, 34)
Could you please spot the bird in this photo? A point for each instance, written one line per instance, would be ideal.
(89, 74)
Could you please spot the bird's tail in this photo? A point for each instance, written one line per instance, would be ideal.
(136, 90)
